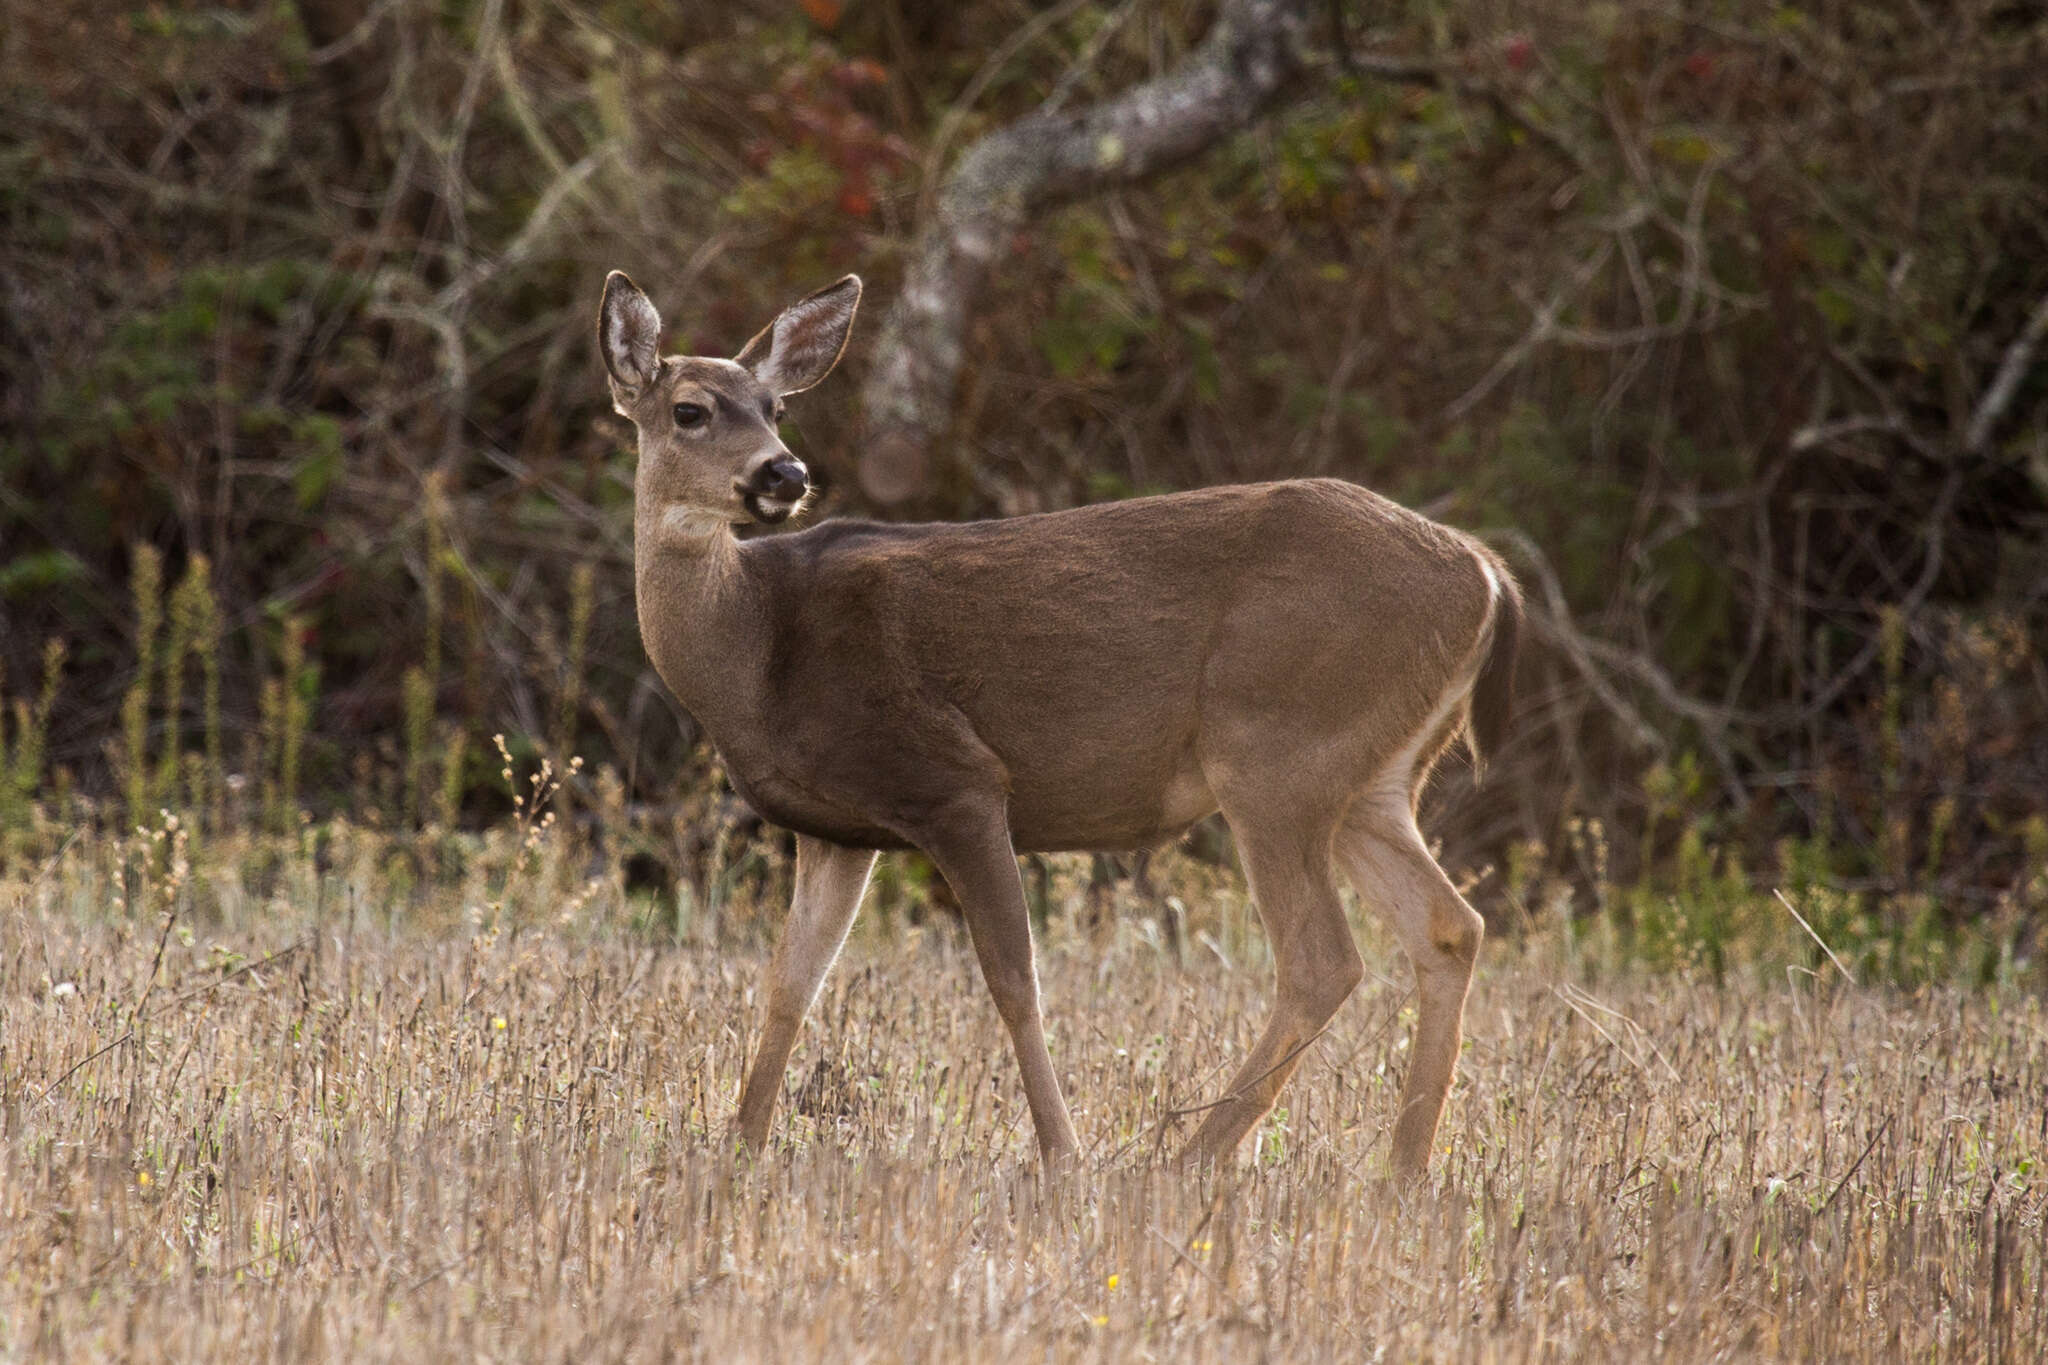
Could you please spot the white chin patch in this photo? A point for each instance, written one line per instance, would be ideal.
(771, 510)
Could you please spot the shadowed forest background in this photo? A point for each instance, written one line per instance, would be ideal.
(1725, 323)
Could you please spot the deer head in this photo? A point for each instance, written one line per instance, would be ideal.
(709, 450)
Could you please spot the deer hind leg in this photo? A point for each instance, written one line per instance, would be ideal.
(1316, 966)
(975, 856)
(1390, 866)
(830, 881)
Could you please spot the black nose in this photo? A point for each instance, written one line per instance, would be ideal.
(785, 479)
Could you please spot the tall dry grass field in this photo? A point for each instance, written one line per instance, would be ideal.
(290, 1135)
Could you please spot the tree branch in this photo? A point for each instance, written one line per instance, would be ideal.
(353, 50)
(1246, 63)
(2018, 358)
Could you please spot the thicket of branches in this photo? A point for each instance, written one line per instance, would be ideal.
(1726, 323)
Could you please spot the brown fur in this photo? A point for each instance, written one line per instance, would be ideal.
(1294, 654)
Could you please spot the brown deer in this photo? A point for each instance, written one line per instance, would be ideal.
(1296, 655)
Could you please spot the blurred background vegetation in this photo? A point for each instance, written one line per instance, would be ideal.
(1725, 322)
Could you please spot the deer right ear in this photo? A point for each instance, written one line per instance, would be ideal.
(628, 331)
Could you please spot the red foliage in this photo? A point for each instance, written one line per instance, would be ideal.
(824, 13)
(814, 105)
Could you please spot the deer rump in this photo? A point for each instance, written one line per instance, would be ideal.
(1108, 668)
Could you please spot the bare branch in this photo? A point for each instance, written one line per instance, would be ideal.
(956, 115)
(1246, 63)
(1446, 77)
(352, 48)
(1923, 584)
(2019, 357)
(1555, 624)
(1818, 434)
(1590, 655)
(483, 269)
(1542, 328)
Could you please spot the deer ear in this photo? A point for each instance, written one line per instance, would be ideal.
(628, 330)
(802, 345)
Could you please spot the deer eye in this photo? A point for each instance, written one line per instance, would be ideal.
(690, 415)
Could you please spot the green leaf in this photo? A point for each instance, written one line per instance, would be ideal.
(1831, 249)
(1836, 306)
(39, 571)
(319, 437)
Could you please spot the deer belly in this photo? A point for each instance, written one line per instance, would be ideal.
(781, 802)
(1075, 806)
(1115, 810)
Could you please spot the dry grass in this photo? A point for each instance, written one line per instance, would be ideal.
(449, 1144)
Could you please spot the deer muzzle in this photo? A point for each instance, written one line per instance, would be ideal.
(774, 487)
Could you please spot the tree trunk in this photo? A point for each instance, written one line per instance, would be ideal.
(1246, 62)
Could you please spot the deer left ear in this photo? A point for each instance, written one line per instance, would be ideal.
(802, 345)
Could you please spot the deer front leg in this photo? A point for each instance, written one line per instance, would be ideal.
(977, 860)
(830, 881)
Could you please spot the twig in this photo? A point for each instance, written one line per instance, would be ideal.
(1239, 1093)
(1588, 653)
(228, 976)
(277, 1252)
(1816, 434)
(1446, 77)
(977, 85)
(353, 39)
(1091, 52)
(51, 1089)
(454, 150)
(50, 865)
(1794, 912)
(1542, 328)
(156, 963)
(1614, 1042)
(1158, 1125)
(129, 1035)
(1557, 625)
(1182, 1254)
(1857, 1165)
(1930, 570)
(569, 182)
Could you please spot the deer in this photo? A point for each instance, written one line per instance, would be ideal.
(1296, 655)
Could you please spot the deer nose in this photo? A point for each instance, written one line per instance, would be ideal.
(784, 479)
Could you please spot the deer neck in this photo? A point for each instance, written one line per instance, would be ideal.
(700, 611)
